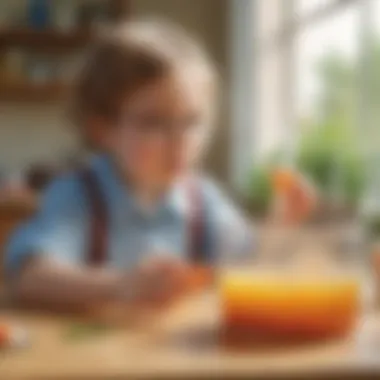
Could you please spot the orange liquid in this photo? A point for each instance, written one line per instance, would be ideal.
(268, 305)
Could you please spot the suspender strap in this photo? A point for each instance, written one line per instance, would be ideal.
(97, 241)
(199, 249)
(199, 232)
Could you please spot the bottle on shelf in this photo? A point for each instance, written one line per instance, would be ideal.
(39, 14)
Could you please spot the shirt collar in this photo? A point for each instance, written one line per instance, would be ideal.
(175, 203)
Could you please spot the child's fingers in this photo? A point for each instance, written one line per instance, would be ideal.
(161, 280)
(163, 272)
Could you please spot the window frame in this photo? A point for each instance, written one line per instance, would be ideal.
(245, 63)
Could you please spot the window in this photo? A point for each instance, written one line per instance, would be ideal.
(327, 90)
(307, 7)
(315, 89)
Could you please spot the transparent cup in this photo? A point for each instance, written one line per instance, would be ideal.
(299, 284)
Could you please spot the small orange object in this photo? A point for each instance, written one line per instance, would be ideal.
(284, 180)
(5, 335)
(294, 197)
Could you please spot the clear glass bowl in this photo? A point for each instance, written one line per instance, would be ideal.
(300, 284)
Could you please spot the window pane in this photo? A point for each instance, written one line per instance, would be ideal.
(371, 77)
(370, 96)
(306, 7)
(326, 102)
(320, 47)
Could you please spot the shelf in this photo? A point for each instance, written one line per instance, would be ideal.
(32, 93)
(24, 203)
(45, 39)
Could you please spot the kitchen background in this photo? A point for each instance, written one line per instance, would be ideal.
(40, 42)
(300, 87)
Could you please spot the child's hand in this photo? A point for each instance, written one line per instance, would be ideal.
(294, 199)
(155, 283)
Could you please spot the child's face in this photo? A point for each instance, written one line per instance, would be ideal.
(161, 131)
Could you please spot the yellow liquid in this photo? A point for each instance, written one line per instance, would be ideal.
(303, 307)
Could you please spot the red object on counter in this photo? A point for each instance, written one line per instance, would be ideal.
(5, 335)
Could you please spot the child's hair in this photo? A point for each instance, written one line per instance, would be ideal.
(129, 56)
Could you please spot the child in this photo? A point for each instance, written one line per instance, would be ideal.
(127, 227)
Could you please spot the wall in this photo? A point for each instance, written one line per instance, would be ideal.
(29, 134)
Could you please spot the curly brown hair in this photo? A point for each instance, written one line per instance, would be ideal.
(129, 56)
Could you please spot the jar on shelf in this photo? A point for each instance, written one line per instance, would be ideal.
(14, 66)
(65, 16)
(39, 70)
(5, 14)
(39, 14)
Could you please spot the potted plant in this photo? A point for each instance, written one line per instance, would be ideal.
(328, 155)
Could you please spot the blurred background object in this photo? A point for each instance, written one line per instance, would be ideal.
(315, 96)
(41, 42)
(300, 89)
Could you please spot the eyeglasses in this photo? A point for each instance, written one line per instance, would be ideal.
(154, 126)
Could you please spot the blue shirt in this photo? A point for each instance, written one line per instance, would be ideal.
(61, 227)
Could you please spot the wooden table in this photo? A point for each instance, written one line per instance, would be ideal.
(183, 344)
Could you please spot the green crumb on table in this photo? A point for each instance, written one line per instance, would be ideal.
(80, 331)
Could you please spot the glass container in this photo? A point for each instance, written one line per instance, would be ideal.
(299, 284)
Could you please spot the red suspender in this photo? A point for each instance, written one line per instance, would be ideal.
(97, 243)
(196, 223)
(97, 251)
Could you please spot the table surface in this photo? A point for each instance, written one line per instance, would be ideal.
(184, 344)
